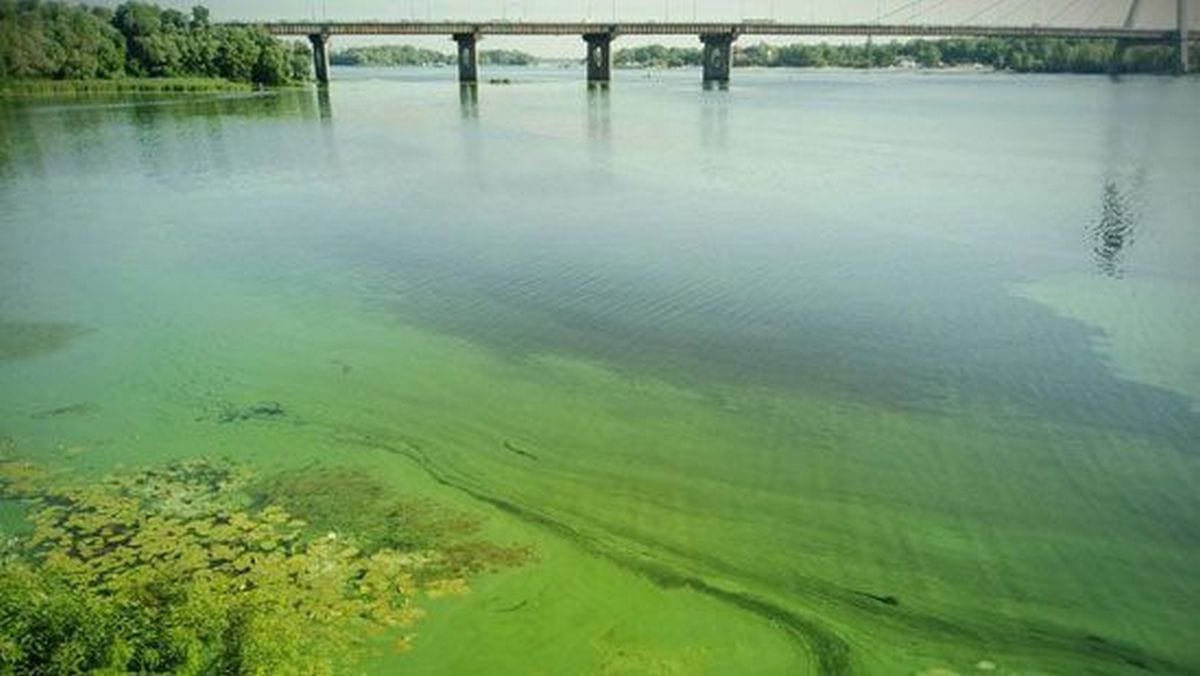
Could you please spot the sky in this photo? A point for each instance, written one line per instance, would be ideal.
(1153, 13)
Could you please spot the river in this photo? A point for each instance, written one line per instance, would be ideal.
(829, 372)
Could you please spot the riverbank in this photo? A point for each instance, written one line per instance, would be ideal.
(133, 85)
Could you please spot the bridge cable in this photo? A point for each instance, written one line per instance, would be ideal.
(892, 12)
(1015, 10)
(1096, 6)
(1069, 6)
(981, 12)
(930, 10)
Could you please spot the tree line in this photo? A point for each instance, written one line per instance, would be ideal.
(54, 40)
(1037, 55)
(407, 55)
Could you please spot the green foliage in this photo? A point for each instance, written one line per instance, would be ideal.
(59, 41)
(506, 57)
(389, 55)
(1041, 55)
(656, 56)
(406, 55)
(184, 570)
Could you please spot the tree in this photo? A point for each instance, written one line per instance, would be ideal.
(199, 17)
(928, 55)
(136, 19)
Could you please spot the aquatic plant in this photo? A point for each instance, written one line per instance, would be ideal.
(341, 499)
(178, 569)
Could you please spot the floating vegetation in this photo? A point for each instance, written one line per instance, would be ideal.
(340, 499)
(21, 340)
(263, 410)
(181, 569)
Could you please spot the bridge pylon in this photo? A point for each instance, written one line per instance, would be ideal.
(320, 48)
(718, 56)
(468, 57)
(599, 56)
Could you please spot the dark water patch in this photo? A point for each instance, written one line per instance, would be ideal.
(925, 350)
(24, 340)
(515, 449)
(513, 608)
(263, 410)
(885, 600)
(1129, 654)
(69, 411)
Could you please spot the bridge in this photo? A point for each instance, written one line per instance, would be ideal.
(717, 38)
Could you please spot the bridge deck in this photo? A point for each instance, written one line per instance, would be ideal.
(761, 28)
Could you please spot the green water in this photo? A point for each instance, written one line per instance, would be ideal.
(827, 373)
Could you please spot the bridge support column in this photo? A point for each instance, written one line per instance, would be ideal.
(468, 57)
(599, 57)
(718, 56)
(1181, 67)
(320, 47)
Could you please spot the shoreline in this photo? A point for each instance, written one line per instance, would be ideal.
(41, 87)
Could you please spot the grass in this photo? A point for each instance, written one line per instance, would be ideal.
(120, 86)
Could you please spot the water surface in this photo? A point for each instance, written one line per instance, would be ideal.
(829, 372)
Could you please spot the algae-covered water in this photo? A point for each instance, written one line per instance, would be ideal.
(826, 373)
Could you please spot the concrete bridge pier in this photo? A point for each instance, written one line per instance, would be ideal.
(718, 56)
(468, 57)
(599, 57)
(320, 47)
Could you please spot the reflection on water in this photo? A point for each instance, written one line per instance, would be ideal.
(599, 111)
(468, 100)
(715, 121)
(1113, 234)
(324, 104)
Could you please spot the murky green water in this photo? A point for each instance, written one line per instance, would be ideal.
(829, 373)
